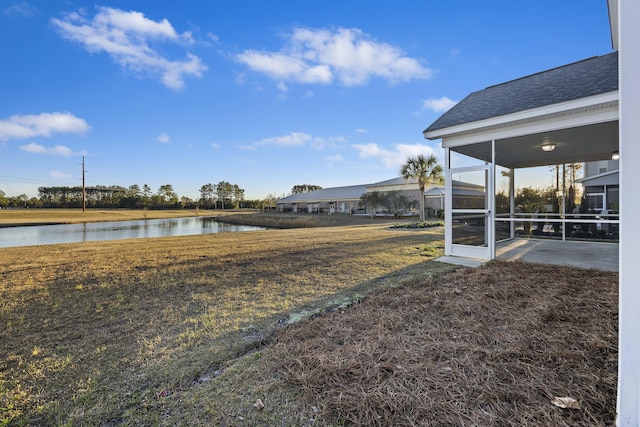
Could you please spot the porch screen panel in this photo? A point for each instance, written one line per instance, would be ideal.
(469, 229)
(469, 190)
(469, 203)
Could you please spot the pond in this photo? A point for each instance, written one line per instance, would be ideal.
(92, 231)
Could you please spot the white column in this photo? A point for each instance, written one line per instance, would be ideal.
(564, 202)
(629, 296)
(492, 203)
(448, 203)
(512, 201)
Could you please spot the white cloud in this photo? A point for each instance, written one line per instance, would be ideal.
(294, 139)
(335, 159)
(215, 145)
(360, 130)
(58, 150)
(392, 159)
(320, 143)
(126, 37)
(22, 8)
(298, 139)
(164, 138)
(349, 56)
(438, 105)
(58, 174)
(45, 124)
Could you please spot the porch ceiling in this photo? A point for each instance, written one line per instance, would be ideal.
(572, 145)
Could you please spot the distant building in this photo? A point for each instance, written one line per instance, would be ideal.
(346, 200)
(601, 185)
(327, 200)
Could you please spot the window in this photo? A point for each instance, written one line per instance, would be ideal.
(613, 198)
(603, 166)
(595, 202)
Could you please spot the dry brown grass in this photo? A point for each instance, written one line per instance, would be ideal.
(485, 347)
(288, 220)
(129, 332)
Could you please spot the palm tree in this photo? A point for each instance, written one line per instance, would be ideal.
(424, 170)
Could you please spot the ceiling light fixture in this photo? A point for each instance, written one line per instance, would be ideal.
(548, 146)
(615, 155)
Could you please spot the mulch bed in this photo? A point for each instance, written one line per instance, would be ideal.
(487, 346)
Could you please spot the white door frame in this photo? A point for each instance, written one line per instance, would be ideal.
(481, 252)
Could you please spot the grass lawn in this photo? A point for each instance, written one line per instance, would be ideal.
(350, 324)
(109, 333)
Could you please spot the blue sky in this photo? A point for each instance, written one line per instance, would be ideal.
(266, 95)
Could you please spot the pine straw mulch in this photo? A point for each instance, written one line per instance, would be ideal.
(490, 346)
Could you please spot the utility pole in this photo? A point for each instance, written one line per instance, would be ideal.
(84, 205)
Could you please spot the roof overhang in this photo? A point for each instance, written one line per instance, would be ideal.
(611, 177)
(582, 130)
(612, 6)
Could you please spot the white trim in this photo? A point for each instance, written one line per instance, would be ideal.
(471, 211)
(448, 203)
(598, 175)
(612, 6)
(596, 102)
(481, 252)
(512, 201)
(474, 168)
(628, 407)
(547, 123)
(491, 196)
(478, 252)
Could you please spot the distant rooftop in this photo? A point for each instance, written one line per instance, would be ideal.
(394, 181)
(327, 194)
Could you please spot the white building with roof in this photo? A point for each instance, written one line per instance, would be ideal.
(346, 200)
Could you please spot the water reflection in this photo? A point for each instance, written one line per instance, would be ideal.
(86, 232)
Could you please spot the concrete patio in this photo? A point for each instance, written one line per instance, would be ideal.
(598, 255)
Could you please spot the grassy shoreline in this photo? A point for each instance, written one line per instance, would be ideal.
(28, 217)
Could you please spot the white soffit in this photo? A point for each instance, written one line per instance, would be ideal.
(595, 109)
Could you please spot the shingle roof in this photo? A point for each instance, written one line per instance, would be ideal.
(327, 194)
(570, 82)
(352, 192)
(394, 181)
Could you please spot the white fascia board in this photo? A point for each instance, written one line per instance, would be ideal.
(594, 109)
(598, 175)
(612, 6)
(547, 124)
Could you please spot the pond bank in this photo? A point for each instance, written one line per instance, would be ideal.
(26, 217)
(288, 220)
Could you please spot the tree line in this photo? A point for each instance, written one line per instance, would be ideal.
(222, 195)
